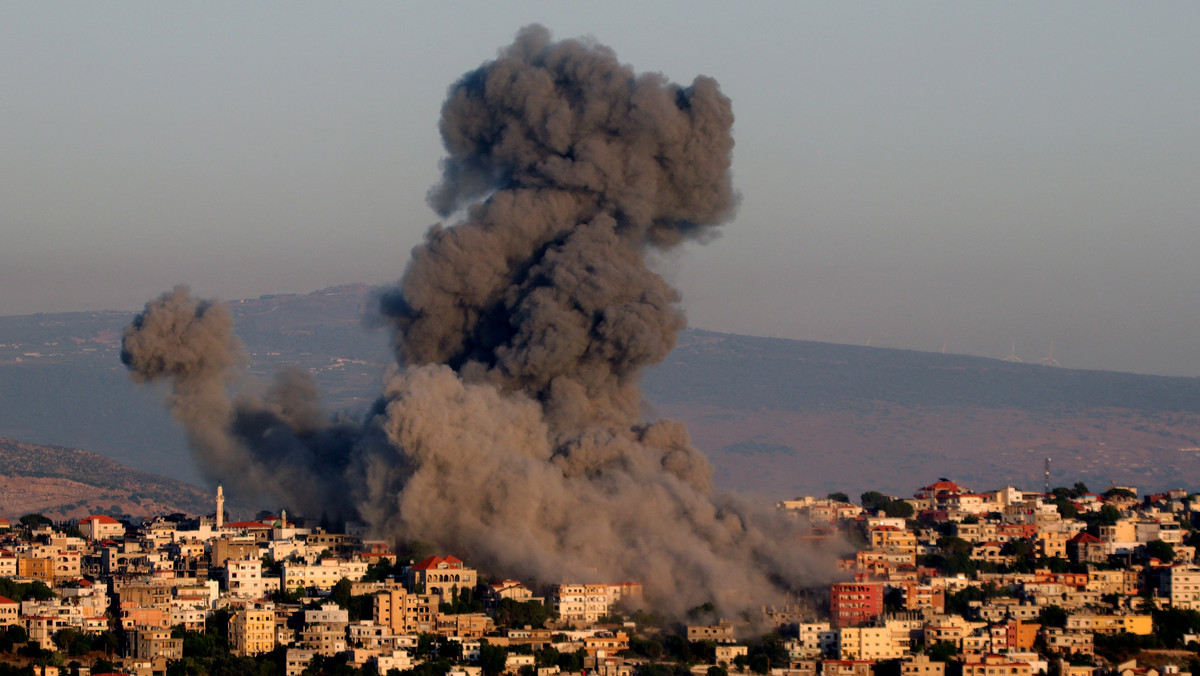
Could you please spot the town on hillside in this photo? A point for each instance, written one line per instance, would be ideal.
(948, 582)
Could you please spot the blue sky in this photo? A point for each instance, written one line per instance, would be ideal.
(970, 174)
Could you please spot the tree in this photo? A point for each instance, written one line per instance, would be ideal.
(899, 509)
(838, 497)
(35, 521)
(942, 651)
(340, 594)
(1163, 551)
(492, 659)
(872, 500)
(1107, 516)
(1052, 616)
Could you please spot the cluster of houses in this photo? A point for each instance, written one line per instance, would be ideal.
(272, 584)
(1099, 577)
(273, 580)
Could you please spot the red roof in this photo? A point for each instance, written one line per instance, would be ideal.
(6, 600)
(99, 518)
(944, 485)
(1084, 537)
(247, 524)
(433, 562)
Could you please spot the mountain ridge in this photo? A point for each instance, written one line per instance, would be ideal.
(64, 483)
(775, 416)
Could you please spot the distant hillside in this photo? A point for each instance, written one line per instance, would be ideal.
(782, 416)
(64, 483)
(776, 417)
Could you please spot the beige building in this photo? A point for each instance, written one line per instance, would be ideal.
(8, 563)
(252, 631)
(1142, 625)
(893, 539)
(921, 665)
(10, 612)
(147, 644)
(722, 632)
(996, 665)
(405, 613)
(440, 576)
(1181, 586)
(101, 527)
(323, 575)
(584, 604)
(868, 643)
(244, 579)
(846, 667)
(464, 625)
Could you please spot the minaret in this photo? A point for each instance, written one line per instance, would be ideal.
(220, 506)
(283, 519)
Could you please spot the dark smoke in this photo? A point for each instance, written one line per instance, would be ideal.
(511, 430)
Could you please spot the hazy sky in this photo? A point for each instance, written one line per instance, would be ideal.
(914, 174)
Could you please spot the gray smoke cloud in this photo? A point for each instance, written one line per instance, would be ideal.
(511, 430)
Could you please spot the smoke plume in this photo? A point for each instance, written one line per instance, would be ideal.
(511, 430)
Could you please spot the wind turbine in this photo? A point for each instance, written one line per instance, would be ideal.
(1049, 359)
(1012, 356)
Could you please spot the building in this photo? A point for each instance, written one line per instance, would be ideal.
(10, 612)
(852, 603)
(1181, 586)
(867, 643)
(585, 604)
(244, 579)
(921, 665)
(722, 632)
(403, 612)
(324, 575)
(442, 577)
(324, 630)
(101, 527)
(252, 631)
(995, 665)
(147, 644)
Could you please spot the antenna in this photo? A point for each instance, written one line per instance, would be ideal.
(943, 346)
(1049, 359)
(1012, 356)
(1047, 476)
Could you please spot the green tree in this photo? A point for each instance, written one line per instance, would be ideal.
(942, 651)
(511, 613)
(872, 500)
(35, 521)
(899, 509)
(838, 497)
(1163, 551)
(572, 662)
(492, 659)
(1106, 516)
(1170, 624)
(1052, 616)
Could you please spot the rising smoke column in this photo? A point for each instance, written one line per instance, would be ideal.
(511, 431)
